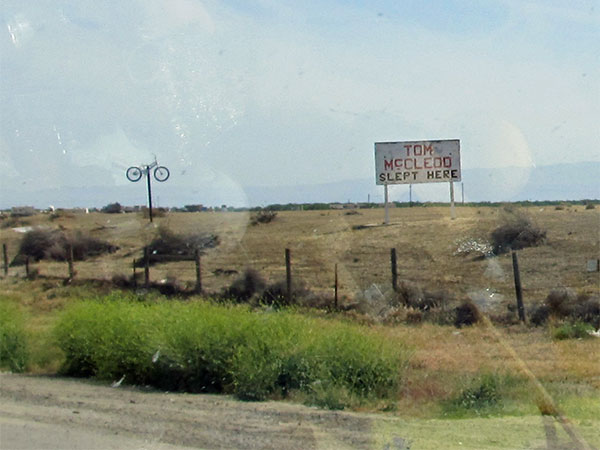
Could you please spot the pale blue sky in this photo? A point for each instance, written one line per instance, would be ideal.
(235, 93)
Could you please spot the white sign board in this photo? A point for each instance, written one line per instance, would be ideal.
(417, 162)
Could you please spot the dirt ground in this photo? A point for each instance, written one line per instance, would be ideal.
(41, 412)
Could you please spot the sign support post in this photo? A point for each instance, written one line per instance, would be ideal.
(387, 208)
(452, 210)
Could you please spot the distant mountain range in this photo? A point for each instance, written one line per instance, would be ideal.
(575, 181)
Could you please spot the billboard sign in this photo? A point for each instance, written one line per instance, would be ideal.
(417, 162)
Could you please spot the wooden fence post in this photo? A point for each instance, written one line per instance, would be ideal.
(134, 274)
(518, 288)
(198, 271)
(146, 268)
(5, 259)
(70, 262)
(335, 291)
(288, 276)
(394, 269)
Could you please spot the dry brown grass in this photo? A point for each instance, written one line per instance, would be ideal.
(425, 239)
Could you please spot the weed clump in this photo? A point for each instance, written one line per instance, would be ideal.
(245, 287)
(251, 287)
(587, 310)
(55, 244)
(466, 314)
(14, 353)
(169, 246)
(263, 216)
(560, 302)
(112, 208)
(572, 330)
(482, 397)
(516, 232)
(276, 293)
(564, 303)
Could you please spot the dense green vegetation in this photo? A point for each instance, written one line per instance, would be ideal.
(13, 341)
(201, 347)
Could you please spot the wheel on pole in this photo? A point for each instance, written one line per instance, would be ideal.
(134, 173)
(161, 173)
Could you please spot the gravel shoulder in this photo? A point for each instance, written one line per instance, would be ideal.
(58, 413)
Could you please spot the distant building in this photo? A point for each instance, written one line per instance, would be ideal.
(23, 211)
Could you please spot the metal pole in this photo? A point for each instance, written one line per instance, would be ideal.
(518, 288)
(452, 211)
(462, 190)
(149, 193)
(410, 195)
(387, 211)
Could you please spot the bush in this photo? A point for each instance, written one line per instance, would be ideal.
(54, 244)
(539, 314)
(13, 343)
(263, 216)
(483, 396)
(572, 330)
(156, 212)
(515, 233)
(466, 314)
(413, 296)
(590, 206)
(112, 208)
(207, 348)
(560, 302)
(168, 246)
(248, 285)
(587, 310)
(276, 293)
(12, 222)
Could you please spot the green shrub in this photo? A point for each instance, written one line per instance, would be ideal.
(486, 395)
(572, 330)
(14, 353)
(202, 347)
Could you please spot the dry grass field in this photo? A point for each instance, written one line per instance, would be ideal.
(426, 240)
